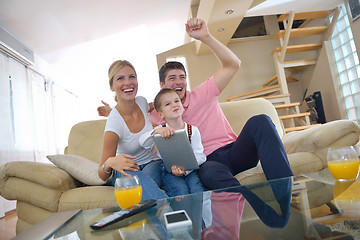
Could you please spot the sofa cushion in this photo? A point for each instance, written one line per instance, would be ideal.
(82, 169)
(86, 139)
(238, 112)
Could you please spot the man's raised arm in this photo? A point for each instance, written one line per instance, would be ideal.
(230, 63)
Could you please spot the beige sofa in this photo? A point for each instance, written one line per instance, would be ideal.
(41, 189)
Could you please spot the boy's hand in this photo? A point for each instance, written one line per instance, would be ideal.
(177, 171)
(165, 132)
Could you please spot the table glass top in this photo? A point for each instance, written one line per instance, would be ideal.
(312, 206)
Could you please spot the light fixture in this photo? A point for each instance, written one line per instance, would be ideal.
(221, 29)
(229, 11)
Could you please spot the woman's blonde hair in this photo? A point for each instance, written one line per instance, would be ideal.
(115, 67)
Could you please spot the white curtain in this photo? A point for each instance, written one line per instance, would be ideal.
(27, 130)
(67, 112)
(7, 132)
(43, 120)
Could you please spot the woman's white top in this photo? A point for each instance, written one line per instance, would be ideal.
(129, 142)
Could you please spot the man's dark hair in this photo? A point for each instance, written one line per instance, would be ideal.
(169, 66)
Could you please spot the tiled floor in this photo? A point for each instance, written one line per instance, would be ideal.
(8, 226)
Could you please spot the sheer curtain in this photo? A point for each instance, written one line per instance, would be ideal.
(27, 130)
(41, 99)
(66, 112)
(13, 144)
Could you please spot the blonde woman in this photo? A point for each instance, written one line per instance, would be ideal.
(122, 155)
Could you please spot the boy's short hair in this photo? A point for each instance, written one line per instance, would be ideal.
(163, 91)
(169, 66)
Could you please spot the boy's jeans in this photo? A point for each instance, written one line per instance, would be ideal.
(175, 186)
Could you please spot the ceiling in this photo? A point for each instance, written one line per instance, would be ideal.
(51, 25)
(47, 26)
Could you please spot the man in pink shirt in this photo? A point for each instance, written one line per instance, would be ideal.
(227, 154)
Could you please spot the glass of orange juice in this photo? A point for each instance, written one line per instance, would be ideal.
(343, 163)
(128, 191)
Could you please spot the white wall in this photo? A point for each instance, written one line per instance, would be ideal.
(82, 69)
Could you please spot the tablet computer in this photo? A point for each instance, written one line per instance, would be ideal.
(176, 150)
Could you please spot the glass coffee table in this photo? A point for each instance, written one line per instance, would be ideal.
(311, 206)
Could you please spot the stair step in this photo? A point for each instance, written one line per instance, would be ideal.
(287, 105)
(277, 96)
(273, 80)
(290, 116)
(270, 81)
(256, 93)
(307, 15)
(300, 128)
(306, 31)
(299, 63)
(299, 48)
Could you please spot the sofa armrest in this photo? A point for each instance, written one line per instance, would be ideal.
(323, 136)
(47, 175)
(39, 184)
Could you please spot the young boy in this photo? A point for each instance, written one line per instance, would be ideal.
(178, 182)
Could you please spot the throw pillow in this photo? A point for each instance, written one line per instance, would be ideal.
(82, 169)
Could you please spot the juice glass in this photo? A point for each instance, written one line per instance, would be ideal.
(343, 163)
(128, 191)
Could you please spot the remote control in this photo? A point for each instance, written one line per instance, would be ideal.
(120, 215)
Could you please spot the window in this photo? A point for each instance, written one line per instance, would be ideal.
(347, 63)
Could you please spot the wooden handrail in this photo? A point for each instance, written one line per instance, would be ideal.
(284, 44)
(332, 24)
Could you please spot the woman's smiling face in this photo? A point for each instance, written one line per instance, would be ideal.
(125, 83)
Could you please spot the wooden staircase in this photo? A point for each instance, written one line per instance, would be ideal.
(276, 88)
